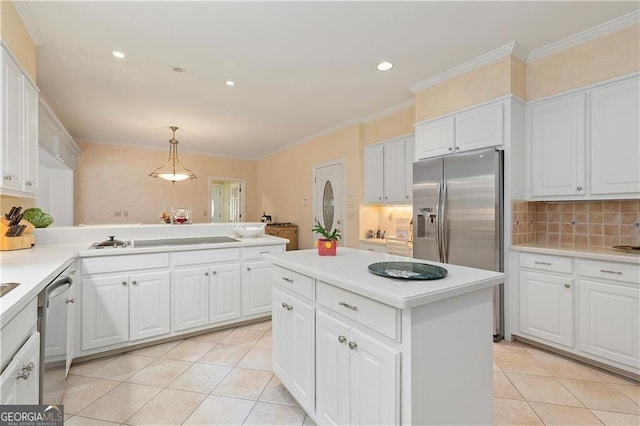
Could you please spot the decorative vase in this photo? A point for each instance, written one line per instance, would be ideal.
(327, 247)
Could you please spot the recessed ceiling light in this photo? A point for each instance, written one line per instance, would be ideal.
(118, 54)
(178, 69)
(230, 83)
(385, 66)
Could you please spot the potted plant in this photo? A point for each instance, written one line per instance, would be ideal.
(327, 245)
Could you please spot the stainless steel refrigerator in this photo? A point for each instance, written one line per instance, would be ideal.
(457, 214)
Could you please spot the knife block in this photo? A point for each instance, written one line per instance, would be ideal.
(24, 241)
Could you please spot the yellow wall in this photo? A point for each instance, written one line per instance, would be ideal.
(15, 35)
(600, 59)
(112, 178)
(285, 179)
(399, 123)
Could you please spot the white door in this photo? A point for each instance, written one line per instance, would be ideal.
(149, 305)
(105, 311)
(329, 197)
(394, 171)
(609, 323)
(302, 383)
(256, 287)
(234, 202)
(282, 339)
(10, 123)
(435, 138)
(224, 292)
(479, 128)
(190, 298)
(27, 383)
(546, 307)
(373, 173)
(216, 203)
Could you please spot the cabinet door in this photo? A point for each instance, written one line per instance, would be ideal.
(105, 311)
(409, 155)
(190, 298)
(609, 321)
(394, 165)
(373, 174)
(282, 341)
(435, 138)
(614, 139)
(256, 287)
(557, 145)
(332, 371)
(302, 383)
(546, 307)
(71, 325)
(480, 128)
(375, 381)
(30, 137)
(11, 110)
(9, 382)
(224, 292)
(149, 305)
(19, 382)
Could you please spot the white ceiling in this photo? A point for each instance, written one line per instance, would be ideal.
(300, 67)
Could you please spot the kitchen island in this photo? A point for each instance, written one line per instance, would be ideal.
(357, 348)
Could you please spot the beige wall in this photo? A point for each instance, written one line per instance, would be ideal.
(15, 35)
(285, 179)
(112, 178)
(600, 59)
(399, 123)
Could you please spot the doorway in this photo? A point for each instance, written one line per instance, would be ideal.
(328, 196)
(226, 200)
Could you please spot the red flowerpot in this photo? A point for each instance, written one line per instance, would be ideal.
(327, 247)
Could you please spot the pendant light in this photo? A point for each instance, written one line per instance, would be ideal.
(173, 170)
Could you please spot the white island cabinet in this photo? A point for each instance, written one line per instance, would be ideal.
(382, 350)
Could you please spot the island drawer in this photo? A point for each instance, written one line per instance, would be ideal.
(375, 315)
(194, 257)
(547, 263)
(294, 281)
(625, 272)
(256, 252)
(130, 262)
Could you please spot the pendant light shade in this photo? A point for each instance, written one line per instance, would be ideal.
(173, 170)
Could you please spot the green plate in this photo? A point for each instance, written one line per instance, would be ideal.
(408, 270)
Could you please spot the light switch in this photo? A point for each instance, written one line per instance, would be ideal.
(305, 201)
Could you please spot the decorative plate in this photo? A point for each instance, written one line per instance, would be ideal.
(408, 270)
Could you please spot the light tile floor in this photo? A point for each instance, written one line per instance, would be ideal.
(225, 378)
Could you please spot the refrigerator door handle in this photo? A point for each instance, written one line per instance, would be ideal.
(443, 223)
(439, 222)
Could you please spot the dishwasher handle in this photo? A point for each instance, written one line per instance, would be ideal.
(57, 288)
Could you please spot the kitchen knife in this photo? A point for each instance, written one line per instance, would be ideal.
(9, 215)
(11, 231)
(21, 229)
(16, 218)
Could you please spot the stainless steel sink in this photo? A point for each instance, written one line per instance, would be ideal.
(182, 241)
(7, 287)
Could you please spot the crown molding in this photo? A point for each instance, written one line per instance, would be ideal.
(29, 21)
(388, 111)
(513, 48)
(586, 35)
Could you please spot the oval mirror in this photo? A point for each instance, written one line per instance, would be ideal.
(328, 205)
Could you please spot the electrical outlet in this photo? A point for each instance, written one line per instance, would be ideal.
(117, 213)
(204, 213)
(125, 213)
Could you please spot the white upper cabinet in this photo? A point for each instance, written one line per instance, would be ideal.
(557, 146)
(474, 128)
(388, 170)
(18, 129)
(615, 139)
(585, 145)
(54, 138)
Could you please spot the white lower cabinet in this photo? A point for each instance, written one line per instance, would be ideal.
(19, 382)
(546, 307)
(293, 347)
(609, 321)
(256, 287)
(224, 292)
(357, 375)
(126, 307)
(190, 298)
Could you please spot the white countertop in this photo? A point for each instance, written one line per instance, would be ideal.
(349, 270)
(34, 268)
(587, 252)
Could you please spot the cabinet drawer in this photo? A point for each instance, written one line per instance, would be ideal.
(294, 281)
(625, 272)
(194, 257)
(547, 263)
(375, 315)
(257, 251)
(99, 265)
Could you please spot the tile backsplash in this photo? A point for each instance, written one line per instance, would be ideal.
(587, 223)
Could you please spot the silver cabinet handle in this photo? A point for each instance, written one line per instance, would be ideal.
(567, 286)
(608, 271)
(134, 282)
(284, 305)
(206, 274)
(28, 183)
(264, 252)
(579, 188)
(457, 148)
(353, 345)
(124, 283)
(29, 367)
(287, 306)
(248, 269)
(289, 280)
(25, 372)
(342, 339)
(72, 300)
(450, 149)
(348, 306)
(7, 177)
(214, 272)
(542, 263)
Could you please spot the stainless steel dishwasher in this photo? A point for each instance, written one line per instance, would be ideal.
(53, 325)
